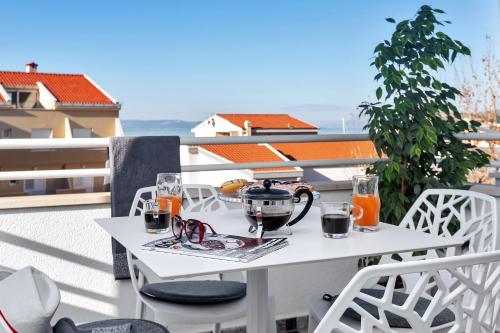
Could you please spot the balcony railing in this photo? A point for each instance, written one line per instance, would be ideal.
(10, 144)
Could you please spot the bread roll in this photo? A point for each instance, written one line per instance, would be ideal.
(233, 186)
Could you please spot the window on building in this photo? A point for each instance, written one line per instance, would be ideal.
(82, 132)
(13, 182)
(7, 133)
(35, 186)
(29, 185)
(12, 97)
(41, 133)
(24, 99)
(86, 183)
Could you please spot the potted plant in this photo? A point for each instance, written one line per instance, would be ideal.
(414, 122)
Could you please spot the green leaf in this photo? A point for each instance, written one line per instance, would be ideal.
(436, 85)
(390, 19)
(440, 11)
(379, 92)
(441, 35)
(417, 189)
(420, 134)
(399, 50)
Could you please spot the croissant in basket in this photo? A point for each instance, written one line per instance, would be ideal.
(232, 187)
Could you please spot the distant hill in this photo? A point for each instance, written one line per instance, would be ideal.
(158, 127)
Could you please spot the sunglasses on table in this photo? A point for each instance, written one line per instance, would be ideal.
(193, 229)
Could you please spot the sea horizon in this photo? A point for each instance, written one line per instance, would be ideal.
(183, 128)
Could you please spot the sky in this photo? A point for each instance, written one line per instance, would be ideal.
(189, 59)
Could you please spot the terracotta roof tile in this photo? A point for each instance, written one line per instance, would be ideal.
(326, 150)
(66, 88)
(245, 153)
(267, 121)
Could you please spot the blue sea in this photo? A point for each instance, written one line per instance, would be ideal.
(183, 128)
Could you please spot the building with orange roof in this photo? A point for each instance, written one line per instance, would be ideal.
(53, 105)
(223, 124)
(269, 124)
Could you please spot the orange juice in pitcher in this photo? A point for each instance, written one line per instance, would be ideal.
(365, 195)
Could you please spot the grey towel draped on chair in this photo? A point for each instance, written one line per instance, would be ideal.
(134, 163)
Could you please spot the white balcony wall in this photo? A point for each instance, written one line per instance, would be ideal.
(70, 247)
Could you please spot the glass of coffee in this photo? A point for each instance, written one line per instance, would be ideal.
(156, 218)
(336, 218)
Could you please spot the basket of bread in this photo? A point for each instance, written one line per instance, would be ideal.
(231, 190)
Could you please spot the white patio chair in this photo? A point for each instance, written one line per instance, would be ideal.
(462, 214)
(450, 213)
(470, 304)
(196, 198)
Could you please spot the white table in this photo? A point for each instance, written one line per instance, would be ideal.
(306, 245)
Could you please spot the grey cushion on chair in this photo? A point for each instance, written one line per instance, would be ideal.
(196, 292)
(134, 163)
(66, 325)
(319, 307)
(4, 274)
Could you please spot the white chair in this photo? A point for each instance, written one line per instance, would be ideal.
(462, 214)
(450, 213)
(470, 304)
(196, 198)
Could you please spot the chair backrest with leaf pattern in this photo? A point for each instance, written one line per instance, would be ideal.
(196, 198)
(473, 296)
(468, 215)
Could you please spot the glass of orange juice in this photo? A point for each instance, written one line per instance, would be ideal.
(169, 189)
(365, 195)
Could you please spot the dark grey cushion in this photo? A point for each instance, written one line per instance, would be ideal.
(66, 325)
(123, 328)
(196, 292)
(4, 274)
(134, 163)
(319, 307)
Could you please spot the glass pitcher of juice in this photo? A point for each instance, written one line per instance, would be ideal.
(169, 189)
(365, 195)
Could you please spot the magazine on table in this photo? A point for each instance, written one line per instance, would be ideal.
(219, 246)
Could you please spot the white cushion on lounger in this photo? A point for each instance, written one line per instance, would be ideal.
(28, 300)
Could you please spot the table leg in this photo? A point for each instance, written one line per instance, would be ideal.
(257, 301)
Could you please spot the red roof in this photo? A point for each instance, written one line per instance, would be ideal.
(246, 153)
(326, 150)
(66, 88)
(267, 121)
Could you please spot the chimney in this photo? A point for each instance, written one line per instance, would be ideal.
(31, 67)
(247, 126)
